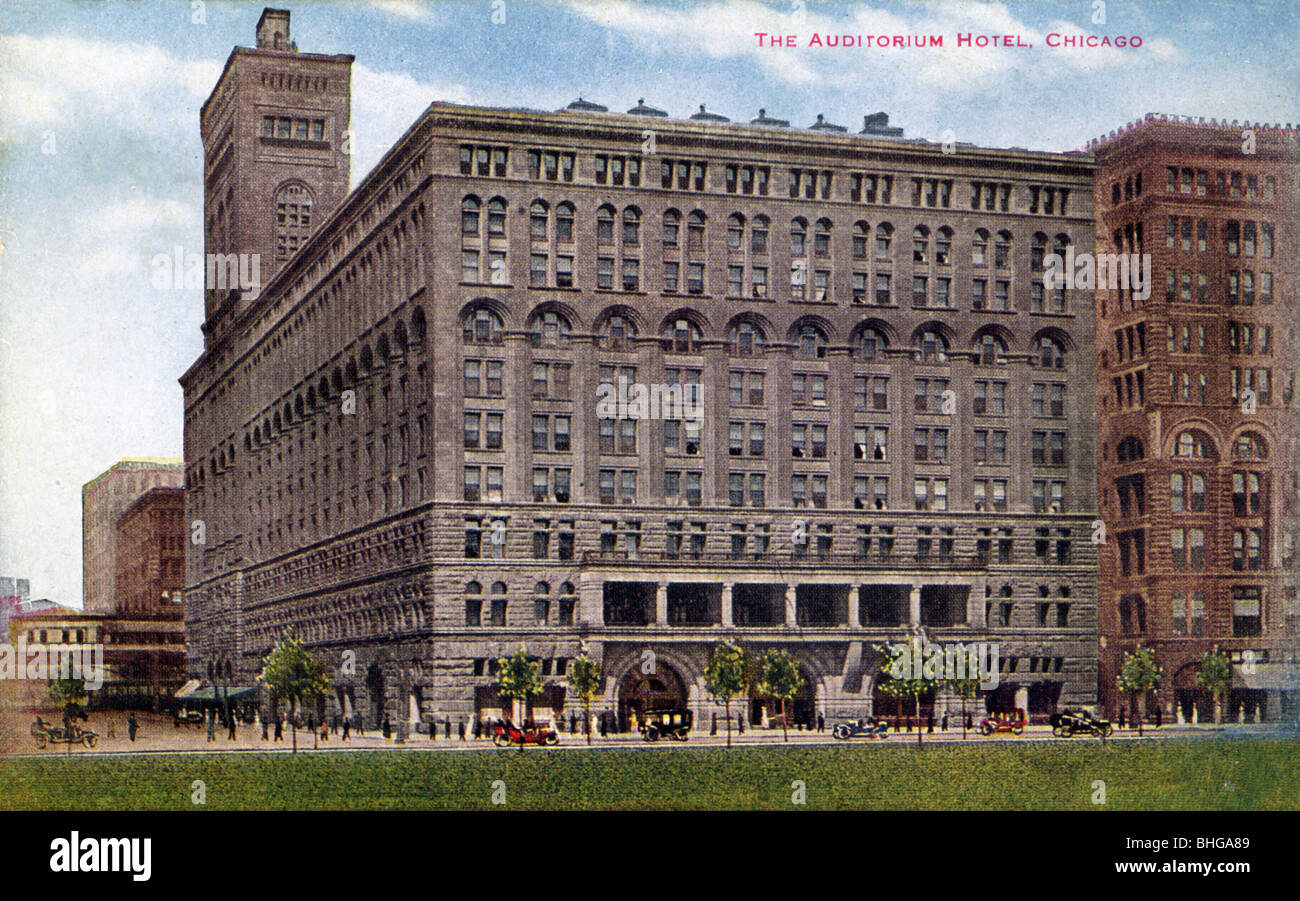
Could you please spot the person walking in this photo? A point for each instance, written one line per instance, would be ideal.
(388, 728)
(347, 728)
(230, 735)
(602, 726)
(1123, 711)
(478, 727)
(1159, 716)
(264, 728)
(279, 728)
(132, 727)
(361, 726)
(460, 730)
(943, 724)
(212, 725)
(821, 723)
(446, 732)
(968, 722)
(713, 730)
(929, 724)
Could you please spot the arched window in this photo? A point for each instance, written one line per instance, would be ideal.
(979, 253)
(498, 588)
(539, 221)
(812, 341)
(672, 228)
(605, 225)
(469, 211)
(685, 336)
(496, 218)
(746, 339)
(870, 344)
(884, 237)
(481, 326)
(564, 223)
(617, 331)
(822, 238)
(798, 237)
(735, 231)
(695, 231)
(473, 588)
(758, 234)
(549, 329)
(933, 347)
(992, 350)
(1250, 446)
(1037, 251)
(1051, 355)
(1194, 444)
(920, 244)
(631, 225)
(861, 232)
(292, 220)
(541, 589)
(1002, 250)
(943, 246)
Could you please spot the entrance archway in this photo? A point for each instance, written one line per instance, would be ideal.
(375, 687)
(639, 692)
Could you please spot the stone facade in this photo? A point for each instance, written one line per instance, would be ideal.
(397, 448)
(103, 500)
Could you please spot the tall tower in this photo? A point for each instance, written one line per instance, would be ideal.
(1197, 410)
(276, 162)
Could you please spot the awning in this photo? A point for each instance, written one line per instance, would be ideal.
(1267, 677)
(195, 691)
(189, 688)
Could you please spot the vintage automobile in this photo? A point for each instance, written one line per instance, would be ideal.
(1013, 721)
(49, 734)
(1069, 723)
(507, 733)
(184, 717)
(669, 722)
(868, 728)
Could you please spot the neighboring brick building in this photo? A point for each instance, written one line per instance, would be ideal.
(1197, 484)
(103, 500)
(151, 556)
(397, 447)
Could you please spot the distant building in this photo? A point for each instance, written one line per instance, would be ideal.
(151, 556)
(1197, 430)
(103, 500)
(13, 598)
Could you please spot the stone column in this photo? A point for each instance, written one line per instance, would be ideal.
(726, 605)
(661, 604)
(975, 604)
(791, 606)
(855, 593)
(914, 607)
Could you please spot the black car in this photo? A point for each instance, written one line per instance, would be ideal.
(672, 723)
(1069, 723)
(184, 717)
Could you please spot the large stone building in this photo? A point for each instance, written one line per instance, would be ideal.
(1196, 388)
(402, 447)
(103, 500)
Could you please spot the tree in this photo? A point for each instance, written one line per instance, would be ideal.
(725, 676)
(1215, 675)
(966, 689)
(900, 688)
(779, 677)
(1139, 675)
(585, 679)
(519, 677)
(292, 672)
(68, 693)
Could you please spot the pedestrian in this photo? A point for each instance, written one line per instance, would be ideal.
(573, 722)
(347, 728)
(713, 730)
(279, 728)
(1123, 711)
(212, 725)
(112, 727)
(311, 723)
(460, 730)
(447, 729)
(943, 724)
(740, 722)
(131, 725)
(264, 728)
(478, 728)
(387, 728)
(1159, 716)
(230, 736)
(361, 726)
(968, 722)
(929, 724)
(603, 731)
(821, 723)
(433, 730)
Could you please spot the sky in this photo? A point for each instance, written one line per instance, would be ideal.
(100, 158)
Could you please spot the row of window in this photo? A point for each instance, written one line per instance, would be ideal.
(1188, 490)
(1188, 550)
(1231, 185)
(1187, 612)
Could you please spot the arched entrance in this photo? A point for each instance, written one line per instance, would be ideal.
(639, 692)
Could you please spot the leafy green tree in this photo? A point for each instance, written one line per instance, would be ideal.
(725, 676)
(966, 689)
(585, 679)
(519, 677)
(779, 677)
(1214, 677)
(905, 687)
(68, 693)
(1139, 675)
(293, 673)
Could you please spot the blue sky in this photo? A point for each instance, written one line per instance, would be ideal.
(100, 154)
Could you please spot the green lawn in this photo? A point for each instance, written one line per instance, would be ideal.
(1239, 774)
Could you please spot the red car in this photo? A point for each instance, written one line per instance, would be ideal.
(507, 733)
(1012, 721)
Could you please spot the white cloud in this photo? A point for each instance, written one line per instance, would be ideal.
(384, 106)
(405, 9)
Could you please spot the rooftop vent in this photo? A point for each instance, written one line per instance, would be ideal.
(705, 116)
(586, 106)
(762, 119)
(822, 125)
(642, 110)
